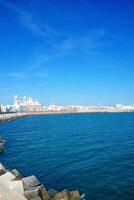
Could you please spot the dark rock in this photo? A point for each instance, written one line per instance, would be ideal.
(2, 169)
(62, 195)
(74, 195)
(52, 193)
(2, 148)
(2, 141)
(31, 194)
(66, 195)
(36, 198)
(29, 182)
(16, 174)
(43, 193)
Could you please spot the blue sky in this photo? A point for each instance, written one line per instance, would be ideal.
(67, 51)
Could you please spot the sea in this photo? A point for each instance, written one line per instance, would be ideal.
(92, 153)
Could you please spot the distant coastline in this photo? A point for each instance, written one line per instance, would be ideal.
(4, 117)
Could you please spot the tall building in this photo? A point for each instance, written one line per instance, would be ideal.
(16, 100)
(27, 105)
(16, 103)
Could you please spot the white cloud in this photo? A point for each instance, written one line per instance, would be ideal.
(26, 19)
(17, 75)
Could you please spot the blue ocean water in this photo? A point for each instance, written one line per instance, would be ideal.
(90, 152)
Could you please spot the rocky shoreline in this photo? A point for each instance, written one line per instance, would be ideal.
(14, 186)
(10, 116)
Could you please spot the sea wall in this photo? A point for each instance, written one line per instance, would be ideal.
(11, 116)
(14, 186)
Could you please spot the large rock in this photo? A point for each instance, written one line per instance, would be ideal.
(16, 186)
(74, 195)
(2, 148)
(52, 193)
(66, 195)
(30, 181)
(6, 178)
(62, 196)
(43, 193)
(2, 141)
(36, 193)
(31, 194)
(11, 196)
(16, 174)
(2, 169)
(36, 198)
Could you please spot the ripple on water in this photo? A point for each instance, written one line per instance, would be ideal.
(90, 152)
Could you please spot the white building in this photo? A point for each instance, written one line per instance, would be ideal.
(27, 105)
(125, 107)
(54, 107)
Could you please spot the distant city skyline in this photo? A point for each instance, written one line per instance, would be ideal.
(68, 52)
(28, 104)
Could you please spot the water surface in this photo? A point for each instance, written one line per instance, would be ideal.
(90, 152)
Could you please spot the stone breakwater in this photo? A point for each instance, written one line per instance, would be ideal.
(11, 116)
(14, 187)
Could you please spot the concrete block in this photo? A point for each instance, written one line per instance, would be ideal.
(16, 186)
(16, 173)
(30, 181)
(6, 178)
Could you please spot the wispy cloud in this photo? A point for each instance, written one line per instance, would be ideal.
(88, 43)
(17, 75)
(27, 20)
(40, 59)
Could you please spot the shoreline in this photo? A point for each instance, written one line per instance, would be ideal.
(5, 117)
(14, 186)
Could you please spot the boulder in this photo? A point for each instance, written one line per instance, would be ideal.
(6, 178)
(74, 195)
(16, 186)
(31, 194)
(43, 193)
(62, 196)
(66, 195)
(2, 169)
(2, 141)
(2, 148)
(52, 193)
(11, 196)
(36, 198)
(30, 181)
(16, 174)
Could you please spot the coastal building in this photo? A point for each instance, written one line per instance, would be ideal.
(27, 104)
(54, 107)
(5, 108)
(70, 108)
(121, 107)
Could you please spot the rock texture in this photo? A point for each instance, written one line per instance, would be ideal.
(14, 187)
